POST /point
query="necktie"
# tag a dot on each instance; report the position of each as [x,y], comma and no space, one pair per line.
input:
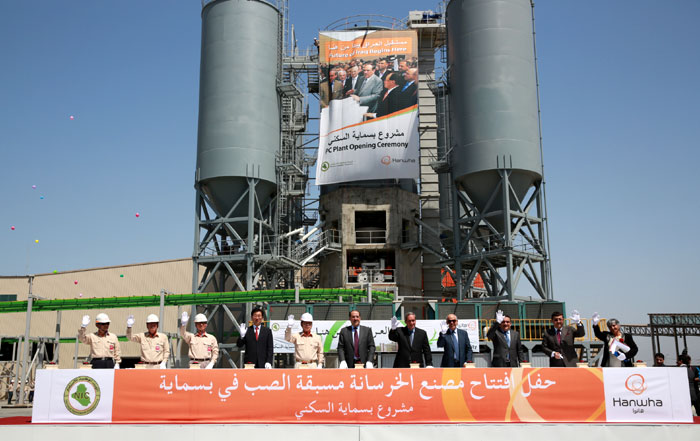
[411,339]
[385,95]
[508,338]
[405,87]
[454,343]
[559,336]
[356,343]
[256,333]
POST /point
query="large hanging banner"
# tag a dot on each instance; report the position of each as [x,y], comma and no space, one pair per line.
[367,396]
[369,113]
[329,329]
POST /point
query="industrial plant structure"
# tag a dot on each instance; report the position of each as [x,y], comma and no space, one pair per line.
[463,221]
[470,224]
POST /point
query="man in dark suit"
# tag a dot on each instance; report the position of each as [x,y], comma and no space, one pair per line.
[382,69]
[390,100]
[355,344]
[409,91]
[507,349]
[413,343]
[257,341]
[458,349]
[558,341]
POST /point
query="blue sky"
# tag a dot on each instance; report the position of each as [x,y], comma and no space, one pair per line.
[619,91]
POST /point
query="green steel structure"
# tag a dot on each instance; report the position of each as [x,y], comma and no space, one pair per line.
[277,295]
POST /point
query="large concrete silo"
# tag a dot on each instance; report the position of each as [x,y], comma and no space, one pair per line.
[239,116]
[239,136]
[496,160]
[493,96]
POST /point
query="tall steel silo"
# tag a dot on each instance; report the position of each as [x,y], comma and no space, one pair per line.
[493,99]
[239,136]
[496,160]
[239,116]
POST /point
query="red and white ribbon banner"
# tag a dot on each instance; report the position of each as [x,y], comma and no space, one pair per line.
[369,396]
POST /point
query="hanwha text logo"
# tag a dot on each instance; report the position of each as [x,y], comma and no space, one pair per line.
[635,384]
[81,396]
[386,160]
[325,166]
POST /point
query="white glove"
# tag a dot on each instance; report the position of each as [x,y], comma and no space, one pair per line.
[290,321]
[622,357]
[184,318]
[86,321]
[575,317]
[116,365]
[210,365]
[319,366]
[242,329]
[443,327]
[268,366]
[343,365]
[130,321]
[595,319]
[369,365]
[499,316]
[164,364]
[428,367]
[394,323]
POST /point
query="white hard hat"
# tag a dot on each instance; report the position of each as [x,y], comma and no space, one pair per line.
[306,317]
[102,318]
[200,318]
[152,318]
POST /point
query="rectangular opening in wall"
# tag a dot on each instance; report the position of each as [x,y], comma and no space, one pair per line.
[371,266]
[370,227]
[405,231]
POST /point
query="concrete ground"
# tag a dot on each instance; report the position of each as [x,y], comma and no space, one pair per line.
[6,412]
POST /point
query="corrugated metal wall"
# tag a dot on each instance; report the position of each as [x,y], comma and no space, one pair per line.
[174,276]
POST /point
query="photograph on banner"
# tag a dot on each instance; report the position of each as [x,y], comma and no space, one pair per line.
[328,330]
[368,93]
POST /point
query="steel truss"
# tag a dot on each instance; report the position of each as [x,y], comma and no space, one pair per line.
[501,257]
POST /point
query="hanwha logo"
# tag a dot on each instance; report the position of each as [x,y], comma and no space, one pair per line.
[635,384]
[275,327]
[82,395]
[386,160]
[325,166]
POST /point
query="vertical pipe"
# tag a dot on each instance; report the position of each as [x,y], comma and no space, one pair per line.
[197,251]
[162,309]
[16,351]
[57,341]
[27,343]
[77,350]
[505,194]
[457,235]
[251,235]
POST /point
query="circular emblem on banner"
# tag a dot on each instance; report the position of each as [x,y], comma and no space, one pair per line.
[635,384]
[386,160]
[81,396]
[325,166]
[275,327]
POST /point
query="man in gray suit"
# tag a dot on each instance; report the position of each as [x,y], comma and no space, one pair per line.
[507,349]
[355,344]
[368,94]
[558,341]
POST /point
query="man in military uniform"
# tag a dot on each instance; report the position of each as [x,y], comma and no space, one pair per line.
[104,346]
[204,348]
[155,350]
